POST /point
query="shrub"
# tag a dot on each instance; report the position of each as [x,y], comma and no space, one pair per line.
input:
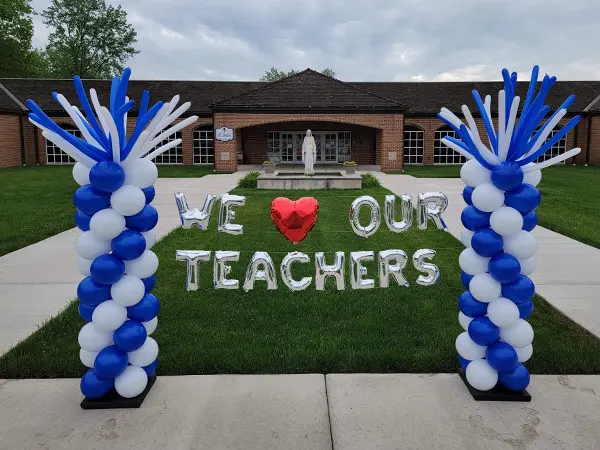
[249,181]
[370,181]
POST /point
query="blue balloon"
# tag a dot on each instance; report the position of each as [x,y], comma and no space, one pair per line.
[149,192]
[93,387]
[149,282]
[145,220]
[515,380]
[525,198]
[146,309]
[463,362]
[130,336]
[525,309]
[530,220]
[128,245]
[471,307]
[466,279]
[151,368]
[107,269]
[507,175]
[483,332]
[486,242]
[504,268]
[501,356]
[519,291]
[107,176]
[467,194]
[90,200]
[86,311]
[92,293]
[473,219]
[110,363]
[82,220]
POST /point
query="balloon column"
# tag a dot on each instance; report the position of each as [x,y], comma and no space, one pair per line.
[116,175]
[501,196]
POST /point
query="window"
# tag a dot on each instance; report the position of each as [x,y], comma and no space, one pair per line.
[55,155]
[344,146]
[173,155]
[332,147]
[443,154]
[273,142]
[413,145]
[203,146]
[557,149]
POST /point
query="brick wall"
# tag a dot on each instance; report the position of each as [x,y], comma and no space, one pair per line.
[595,142]
[10,140]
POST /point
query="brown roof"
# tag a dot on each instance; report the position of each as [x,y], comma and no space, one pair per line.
[308,91]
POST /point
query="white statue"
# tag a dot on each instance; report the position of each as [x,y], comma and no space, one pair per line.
[309,152]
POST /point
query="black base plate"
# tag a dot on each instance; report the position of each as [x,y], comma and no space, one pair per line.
[497,394]
[113,400]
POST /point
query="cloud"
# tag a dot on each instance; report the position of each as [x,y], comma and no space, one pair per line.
[376,40]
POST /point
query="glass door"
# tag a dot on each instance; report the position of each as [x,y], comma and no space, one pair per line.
[287,147]
[330,147]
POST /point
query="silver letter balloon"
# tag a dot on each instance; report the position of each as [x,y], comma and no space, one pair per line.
[199,217]
[374,222]
[501,196]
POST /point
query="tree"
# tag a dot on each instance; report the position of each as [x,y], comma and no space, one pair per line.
[274,74]
[16,31]
[89,38]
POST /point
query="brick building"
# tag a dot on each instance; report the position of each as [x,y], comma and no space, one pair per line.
[384,124]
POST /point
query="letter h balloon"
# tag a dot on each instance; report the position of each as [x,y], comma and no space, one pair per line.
[500,249]
[116,175]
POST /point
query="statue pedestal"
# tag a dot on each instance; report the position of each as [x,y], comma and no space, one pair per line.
[320,180]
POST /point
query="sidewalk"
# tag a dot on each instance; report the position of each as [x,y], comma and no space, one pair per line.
[36,282]
[566,275]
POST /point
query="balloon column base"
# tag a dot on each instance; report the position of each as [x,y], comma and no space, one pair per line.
[497,394]
[112,400]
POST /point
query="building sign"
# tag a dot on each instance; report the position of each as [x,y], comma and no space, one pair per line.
[224,134]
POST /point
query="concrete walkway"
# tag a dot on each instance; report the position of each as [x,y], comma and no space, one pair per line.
[36,282]
[567,272]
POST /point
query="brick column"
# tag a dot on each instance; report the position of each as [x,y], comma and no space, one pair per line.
[392,141]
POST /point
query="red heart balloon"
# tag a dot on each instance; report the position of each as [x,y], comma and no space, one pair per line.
[294,219]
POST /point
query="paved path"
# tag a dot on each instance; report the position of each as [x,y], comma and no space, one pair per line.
[36,282]
[567,272]
[312,412]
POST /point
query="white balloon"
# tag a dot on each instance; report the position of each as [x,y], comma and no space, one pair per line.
[474,174]
[481,375]
[87,358]
[109,315]
[131,382]
[487,197]
[144,355]
[466,236]
[128,200]
[141,173]
[503,312]
[521,245]
[81,174]
[519,335]
[107,224]
[528,265]
[150,237]
[524,353]
[151,325]
[464,320]
[84,266]
[89,246]
[506,221]
[533,177]
[471,263]
[144,266]
[128,291]
[469,349]
[484,288]
[93,339]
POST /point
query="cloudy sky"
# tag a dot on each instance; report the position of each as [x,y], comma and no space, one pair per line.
[361,40]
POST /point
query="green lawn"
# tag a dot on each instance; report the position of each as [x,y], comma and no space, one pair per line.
[381,330]
[420,171]
[36,201]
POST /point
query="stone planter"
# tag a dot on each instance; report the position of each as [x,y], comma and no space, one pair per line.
[350,170]
[269,168]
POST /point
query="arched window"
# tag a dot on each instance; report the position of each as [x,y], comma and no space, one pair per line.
[172,156]
[413,145]
[557,149]
[55,155]
[443,154]
[204,152]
